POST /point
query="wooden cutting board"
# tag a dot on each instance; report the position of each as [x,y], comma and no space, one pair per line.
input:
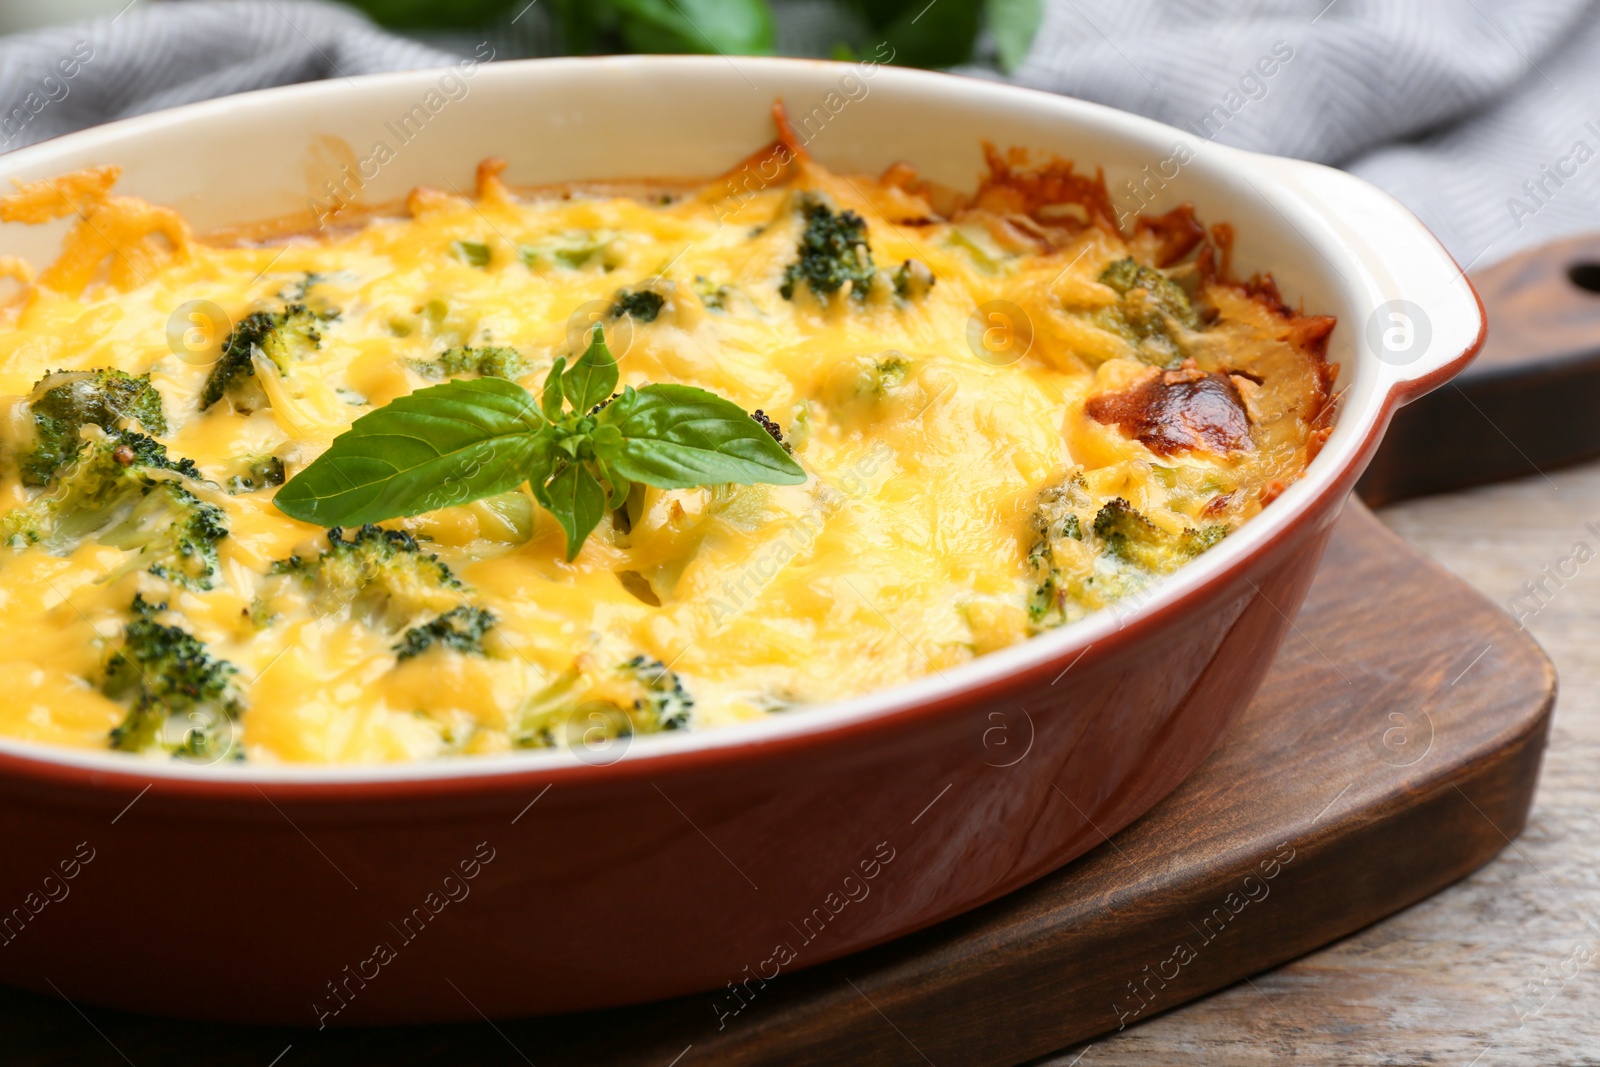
[1392,750]
[1527,404]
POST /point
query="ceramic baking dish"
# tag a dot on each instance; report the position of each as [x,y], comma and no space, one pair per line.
[550,881]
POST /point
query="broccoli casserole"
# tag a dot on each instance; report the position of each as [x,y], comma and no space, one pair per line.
[958,420]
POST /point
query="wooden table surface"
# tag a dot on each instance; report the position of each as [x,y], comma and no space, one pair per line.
[1503,967]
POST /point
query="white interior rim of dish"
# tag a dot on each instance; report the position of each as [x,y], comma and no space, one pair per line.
[1365,283]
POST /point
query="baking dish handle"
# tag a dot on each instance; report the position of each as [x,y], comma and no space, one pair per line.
[1425,322]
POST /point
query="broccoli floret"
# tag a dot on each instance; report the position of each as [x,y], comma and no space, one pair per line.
[490,362]
[283,337]
[259,472]
[1150,303]
[574,250]
[296,292]
[64,402]
[179,697]
[712,295]
[381,573]
[643,304]
[148,452]
[1077,566]
[176,531]
[1134,539]
[1055,522]
[123,491]
[459,630]
[913,280]
[472,253]
[388,582]
[833,250]
[858,385]
[582,706]
[888,371]
[662,697]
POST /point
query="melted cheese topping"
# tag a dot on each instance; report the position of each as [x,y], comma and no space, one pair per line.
[931,422]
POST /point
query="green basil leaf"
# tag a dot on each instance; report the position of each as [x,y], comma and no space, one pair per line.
[472,253]
[593,377]
[607,441]
[1014,24]
[677,436]
[617,487]
[537,483]
[542,461]
[578,501]
[729,27]
[447,445]
[550,397]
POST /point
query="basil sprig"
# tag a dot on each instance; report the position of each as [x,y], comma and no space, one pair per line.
[578,446]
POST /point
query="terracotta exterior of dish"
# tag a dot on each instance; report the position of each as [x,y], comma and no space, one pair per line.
[624,883]
[714,869]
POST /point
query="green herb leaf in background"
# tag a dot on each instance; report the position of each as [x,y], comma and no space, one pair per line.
[1014,24]
[468,439]
[919,34]
[729,27]
[940,34]
[431,14]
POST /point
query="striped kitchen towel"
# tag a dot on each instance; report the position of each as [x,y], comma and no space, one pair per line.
[1482,116]
[159,55]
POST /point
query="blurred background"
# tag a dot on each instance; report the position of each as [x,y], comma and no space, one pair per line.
[992,32]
